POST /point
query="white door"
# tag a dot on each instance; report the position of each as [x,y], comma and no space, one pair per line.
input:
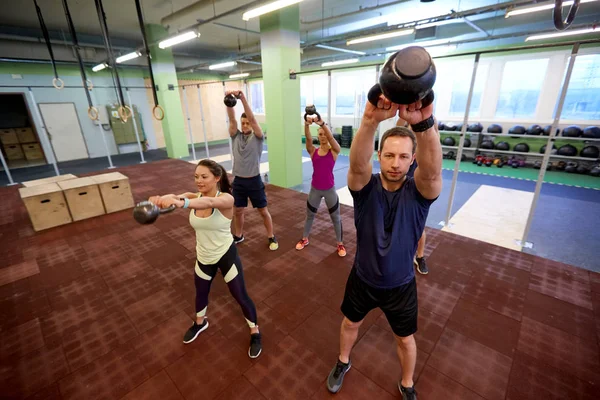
[63,126]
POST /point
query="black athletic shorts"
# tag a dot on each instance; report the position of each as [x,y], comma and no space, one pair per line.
[253,188]
[399,304]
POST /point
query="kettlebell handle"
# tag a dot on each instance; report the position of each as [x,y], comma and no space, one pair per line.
[375,92]
[168,209]
[311,110]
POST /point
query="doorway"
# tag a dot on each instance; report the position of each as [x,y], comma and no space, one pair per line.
[64,131]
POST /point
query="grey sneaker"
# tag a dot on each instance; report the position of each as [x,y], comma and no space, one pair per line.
[336,376]
[421,265]
[407,393]
[194,331]
[255,345]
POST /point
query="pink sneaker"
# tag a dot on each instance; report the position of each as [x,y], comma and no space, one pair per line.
[302,244]
[341,250]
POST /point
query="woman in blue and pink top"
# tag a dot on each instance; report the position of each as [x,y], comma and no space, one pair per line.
[323,184]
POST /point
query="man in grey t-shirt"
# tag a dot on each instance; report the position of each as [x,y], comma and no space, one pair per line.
[247,147]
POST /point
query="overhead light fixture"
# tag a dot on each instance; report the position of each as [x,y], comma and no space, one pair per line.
[239,75]
[99,67]
[267,8]
[222,65]
[340,62]
[425,43]
[184,37]
[563,33]
[322,46]
[439,23]
[128,57]
[402,32]
[436,51]
[540,7]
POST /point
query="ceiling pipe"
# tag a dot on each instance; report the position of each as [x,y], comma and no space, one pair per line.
[193,8]
[34,39]
[348,14]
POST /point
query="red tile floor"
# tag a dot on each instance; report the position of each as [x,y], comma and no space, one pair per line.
[97,309]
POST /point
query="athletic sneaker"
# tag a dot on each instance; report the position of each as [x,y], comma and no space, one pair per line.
[238,239]
[273,245]
[407,393]
[302,244]
[194,331]
[255,345]
[421,265]
[341,250]
[336,376]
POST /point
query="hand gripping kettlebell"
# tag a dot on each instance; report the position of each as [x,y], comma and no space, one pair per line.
[311,110]
[230,100]
[406,77]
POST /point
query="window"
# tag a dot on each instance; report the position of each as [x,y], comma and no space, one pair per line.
[461,83]
[583,95]
[520,88]
[351,89]
[257,99]
[314,90]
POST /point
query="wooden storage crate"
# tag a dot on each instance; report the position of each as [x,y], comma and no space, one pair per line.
[46,206]
[32,151]
[13,152]
[52,179]
[115,191]
[25,135]
[8,136]
[83,198]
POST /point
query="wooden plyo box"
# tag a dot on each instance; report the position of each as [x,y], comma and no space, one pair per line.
[83,198]
[32,151]
[52,179]
[115,191]
[46,206]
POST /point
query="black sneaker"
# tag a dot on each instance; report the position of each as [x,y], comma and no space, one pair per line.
[194,331]
[273,245]
[336,376]
[407,393]
[421,265]
[238,239]
[255,345]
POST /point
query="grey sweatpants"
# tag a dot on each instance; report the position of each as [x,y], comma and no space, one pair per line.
[333,205]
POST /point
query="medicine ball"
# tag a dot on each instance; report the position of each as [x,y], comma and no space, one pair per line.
[572,131]
[475,128]
[571,167]
[517,130]
[560,165]
[451,127]
[487,144]
[503,146]
[595,171]
[458,127]
[467,142]
[590,152]
[535,130]
[441,126]
[494,128]
[543,149]
[548,129]
[582,169]
[567,150]
[450,155]
[591,132]
[448,141]
[537,164]
[521,147]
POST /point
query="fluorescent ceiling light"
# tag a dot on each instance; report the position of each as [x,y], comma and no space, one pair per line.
[322,46]
[99,67]
[425,43]
[436,51]
[184,37]
[341,62]
[563,33]
[222,65]
[239,75]
[128,57]
[267,8]
[540,7]
[401,32]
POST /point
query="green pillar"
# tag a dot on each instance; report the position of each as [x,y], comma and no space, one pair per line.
[280,51]
[163,69]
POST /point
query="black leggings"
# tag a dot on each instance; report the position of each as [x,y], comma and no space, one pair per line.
[230,264]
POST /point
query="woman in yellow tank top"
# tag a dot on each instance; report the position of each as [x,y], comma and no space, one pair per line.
[210,216]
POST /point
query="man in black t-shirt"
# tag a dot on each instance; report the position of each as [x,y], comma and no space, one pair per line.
[390,210]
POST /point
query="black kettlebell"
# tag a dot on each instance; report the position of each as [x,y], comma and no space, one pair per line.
[230,100]
[146,212]
[406,77]
[311,110]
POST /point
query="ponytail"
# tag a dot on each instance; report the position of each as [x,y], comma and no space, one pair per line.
[224,183]
[218,171]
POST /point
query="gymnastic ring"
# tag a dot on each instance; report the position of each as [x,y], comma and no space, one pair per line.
[123,113]
[93,113]
[161,114]
[90,85]
[58,83]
